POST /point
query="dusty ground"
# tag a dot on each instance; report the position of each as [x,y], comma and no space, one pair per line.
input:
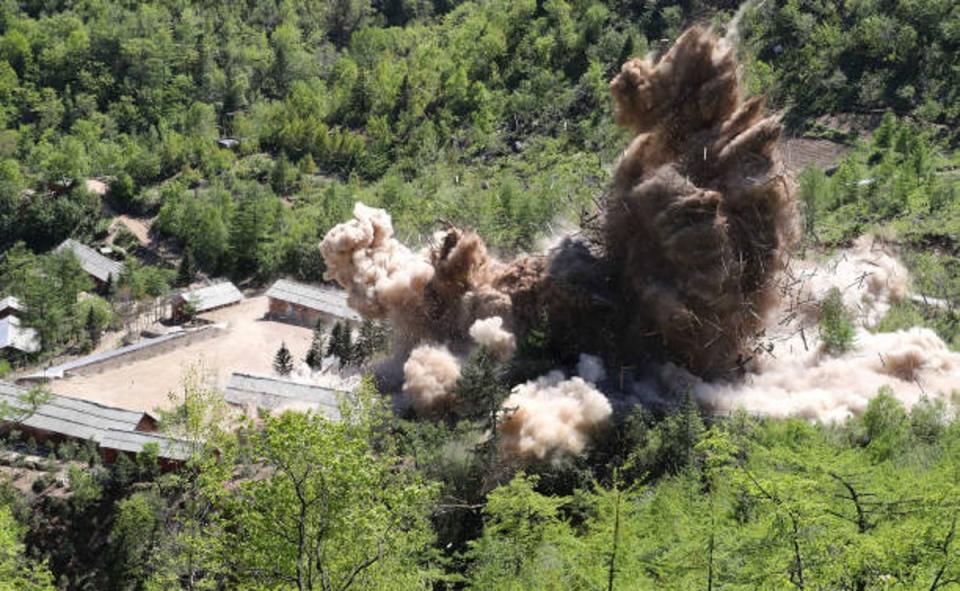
[799,153]
[140,227]
[248,344]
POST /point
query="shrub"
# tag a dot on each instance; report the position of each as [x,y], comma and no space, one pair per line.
[836,328]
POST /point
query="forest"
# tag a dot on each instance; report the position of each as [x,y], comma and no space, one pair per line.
[246,130]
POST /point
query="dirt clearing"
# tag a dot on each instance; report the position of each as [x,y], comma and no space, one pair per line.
[248,344]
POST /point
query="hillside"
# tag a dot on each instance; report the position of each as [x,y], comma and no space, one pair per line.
[638,312]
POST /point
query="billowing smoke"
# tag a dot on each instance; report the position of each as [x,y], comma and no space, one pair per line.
[911,363]
[552,416]
[695,229]
[429,377]
[795,376]
[685,273]
[680,269]
[489,333]
[381,275]
[700,217]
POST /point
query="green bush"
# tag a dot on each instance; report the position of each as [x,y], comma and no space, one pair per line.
[836,327]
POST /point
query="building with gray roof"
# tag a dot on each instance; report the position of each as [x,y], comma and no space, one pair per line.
[14,337]
[72,417]
[133,442]
[113,429]
[274,393]
[10,306]
[206,299]
[305,304]
[95,264]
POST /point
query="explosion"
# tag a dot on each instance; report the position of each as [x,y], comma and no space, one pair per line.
[700,218]
[687,273]
[795,376]
[551,416]
[695,231]
[429,376]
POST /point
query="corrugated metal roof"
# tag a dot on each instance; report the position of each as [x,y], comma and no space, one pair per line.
[133,441]
[72,417]
[110,427]
[92,261]
[213,296]
[14,336]
[10,303]
[324,299]
[274,393]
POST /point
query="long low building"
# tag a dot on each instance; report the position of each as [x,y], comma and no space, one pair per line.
[113,429]
[304,304]
[116,441]
[205,299]
[273,393]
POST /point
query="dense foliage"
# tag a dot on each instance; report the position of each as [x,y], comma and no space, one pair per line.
[244,130]
[821,57]
[301,502]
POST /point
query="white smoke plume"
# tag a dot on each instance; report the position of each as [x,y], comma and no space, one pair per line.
[329,375]
[797,377]
[379,272]
[591,369]
[429,376]
[552,416]
[489,333]
[912,363]
[869,276]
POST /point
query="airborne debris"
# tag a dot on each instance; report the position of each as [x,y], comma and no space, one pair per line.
[681,273]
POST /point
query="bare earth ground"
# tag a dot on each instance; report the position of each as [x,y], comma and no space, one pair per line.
[248,344]
[799,153]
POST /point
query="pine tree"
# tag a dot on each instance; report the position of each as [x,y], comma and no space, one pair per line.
[319,328]
[372,339]
[185,270]
[403,99]
[346,352]
[308,166]
[314,357]
[335,345]
[110,288]
[341,344]
[480,389]
[92,327]
[283,361]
